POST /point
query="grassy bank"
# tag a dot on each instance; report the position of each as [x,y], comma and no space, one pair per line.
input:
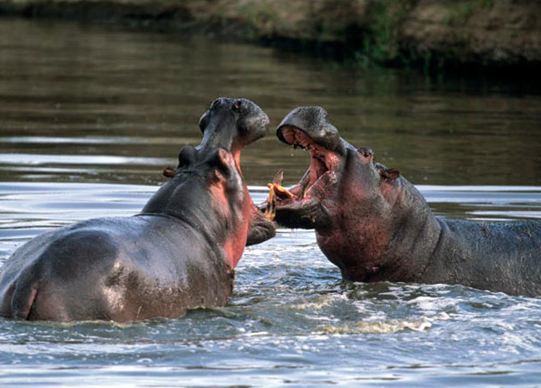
[429,34]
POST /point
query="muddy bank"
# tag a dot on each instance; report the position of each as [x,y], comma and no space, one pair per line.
[427,33]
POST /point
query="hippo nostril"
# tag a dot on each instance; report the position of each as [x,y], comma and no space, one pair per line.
[237,105]
[366,152]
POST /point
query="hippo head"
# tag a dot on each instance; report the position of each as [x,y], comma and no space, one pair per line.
[228,126]
[207,189]
[340,180]
[365,215]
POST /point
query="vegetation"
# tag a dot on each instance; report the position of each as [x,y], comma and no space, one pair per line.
[429,33]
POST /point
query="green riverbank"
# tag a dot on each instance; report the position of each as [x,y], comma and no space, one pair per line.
[490,34]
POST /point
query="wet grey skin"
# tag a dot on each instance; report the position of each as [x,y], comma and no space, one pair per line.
[375,226]
[179,253]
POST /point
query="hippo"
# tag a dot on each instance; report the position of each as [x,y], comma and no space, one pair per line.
[375,226]
[178,253]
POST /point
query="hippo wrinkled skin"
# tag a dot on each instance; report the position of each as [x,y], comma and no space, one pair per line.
[178,253]
[375,226]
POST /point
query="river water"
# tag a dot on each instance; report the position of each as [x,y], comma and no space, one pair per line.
[90,116]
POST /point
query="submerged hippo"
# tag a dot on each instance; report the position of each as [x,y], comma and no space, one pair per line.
[178,253]
[375,226]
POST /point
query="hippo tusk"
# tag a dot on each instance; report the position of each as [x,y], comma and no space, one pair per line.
[276,190]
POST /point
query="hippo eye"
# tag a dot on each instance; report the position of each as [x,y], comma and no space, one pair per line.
[186,156]
[237,105]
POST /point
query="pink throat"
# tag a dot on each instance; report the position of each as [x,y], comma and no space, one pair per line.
[323,162]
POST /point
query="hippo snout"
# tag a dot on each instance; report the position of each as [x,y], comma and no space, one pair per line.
[314,121]
[232,123]
[253,123]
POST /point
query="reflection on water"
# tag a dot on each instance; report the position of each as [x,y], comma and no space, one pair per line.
[88,117]
[77,92]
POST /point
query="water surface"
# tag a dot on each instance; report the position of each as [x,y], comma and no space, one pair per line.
[89,117]
[85,104]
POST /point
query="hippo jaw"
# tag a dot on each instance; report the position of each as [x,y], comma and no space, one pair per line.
[309,128]
[307,207]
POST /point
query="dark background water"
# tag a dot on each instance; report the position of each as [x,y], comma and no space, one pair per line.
[88,118]
[84,104]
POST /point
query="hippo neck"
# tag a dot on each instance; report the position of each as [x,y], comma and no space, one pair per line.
[187,198]
[416,235]
[394,245]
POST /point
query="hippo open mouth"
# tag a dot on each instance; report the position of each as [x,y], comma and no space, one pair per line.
[303,205]
[323,163]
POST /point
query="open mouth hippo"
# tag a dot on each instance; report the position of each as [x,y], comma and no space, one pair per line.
[375,226]
[178,253]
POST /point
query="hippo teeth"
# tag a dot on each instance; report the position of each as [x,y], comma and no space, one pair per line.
[304,147]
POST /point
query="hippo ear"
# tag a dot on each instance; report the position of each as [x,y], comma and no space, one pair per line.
[389,173]
[168,172]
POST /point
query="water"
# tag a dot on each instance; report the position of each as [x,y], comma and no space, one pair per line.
[89,117]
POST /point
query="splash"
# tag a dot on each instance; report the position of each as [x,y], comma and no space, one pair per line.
[376,327]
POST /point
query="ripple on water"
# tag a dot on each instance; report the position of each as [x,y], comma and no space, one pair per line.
[291,319]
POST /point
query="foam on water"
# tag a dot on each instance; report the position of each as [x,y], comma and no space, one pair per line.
[291,318]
